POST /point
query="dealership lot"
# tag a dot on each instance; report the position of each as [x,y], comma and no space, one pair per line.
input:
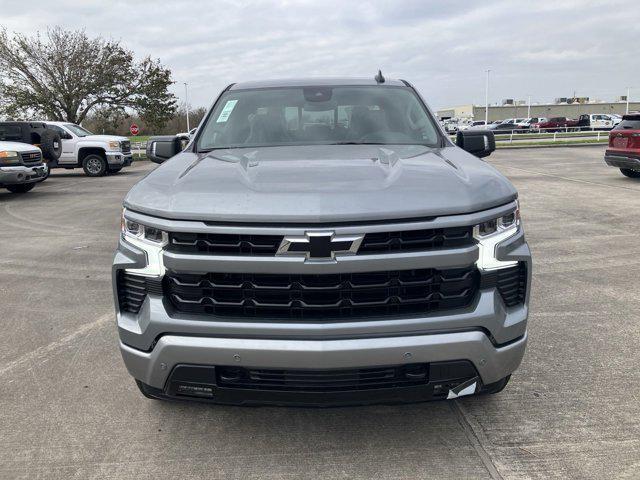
[70,410]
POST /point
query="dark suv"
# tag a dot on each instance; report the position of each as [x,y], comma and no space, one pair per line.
[34,133]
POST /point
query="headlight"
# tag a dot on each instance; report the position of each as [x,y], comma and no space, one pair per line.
[114,145]
[8,157]
[490,233]
[497,225]
[149,239]
[132,230]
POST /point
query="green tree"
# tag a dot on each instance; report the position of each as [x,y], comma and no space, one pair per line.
[65,75]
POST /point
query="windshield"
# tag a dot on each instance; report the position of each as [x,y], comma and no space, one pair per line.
[318,116]
[77,130]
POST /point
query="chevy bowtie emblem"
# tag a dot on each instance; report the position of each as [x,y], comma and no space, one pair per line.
[320,245]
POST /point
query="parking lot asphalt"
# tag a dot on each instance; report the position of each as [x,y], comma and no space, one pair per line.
[68,408]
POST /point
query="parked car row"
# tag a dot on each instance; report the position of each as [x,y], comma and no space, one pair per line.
[29,150]
[585,122]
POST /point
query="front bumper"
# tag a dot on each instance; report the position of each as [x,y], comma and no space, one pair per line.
[622,160]
[154,368]
[12,175]
[119,159]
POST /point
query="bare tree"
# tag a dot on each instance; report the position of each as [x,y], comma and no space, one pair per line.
[64,75]
[103,121]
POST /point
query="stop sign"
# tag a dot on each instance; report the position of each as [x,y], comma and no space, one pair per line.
[134,129]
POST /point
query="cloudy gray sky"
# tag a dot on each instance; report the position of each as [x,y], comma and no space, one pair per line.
[541,48]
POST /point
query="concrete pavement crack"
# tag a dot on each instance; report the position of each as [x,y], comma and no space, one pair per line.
[44,351]
[474,439]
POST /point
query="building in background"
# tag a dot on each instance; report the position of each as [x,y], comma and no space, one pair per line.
[562,107]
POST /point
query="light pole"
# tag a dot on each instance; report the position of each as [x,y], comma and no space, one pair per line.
[528,106]
[627,109]
[186,104]
[486,101]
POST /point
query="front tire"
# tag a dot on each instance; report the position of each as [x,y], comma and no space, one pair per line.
[94,165]
[627,172]
[21,188]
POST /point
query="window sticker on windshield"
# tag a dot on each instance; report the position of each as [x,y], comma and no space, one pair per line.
[226,111]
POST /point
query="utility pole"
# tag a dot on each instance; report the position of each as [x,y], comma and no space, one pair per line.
[186,104]
[528,106]
[627,109]
[486,101]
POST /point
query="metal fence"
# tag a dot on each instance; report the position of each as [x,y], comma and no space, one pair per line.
[551,135]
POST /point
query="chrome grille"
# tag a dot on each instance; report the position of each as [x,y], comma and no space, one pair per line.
[31,158]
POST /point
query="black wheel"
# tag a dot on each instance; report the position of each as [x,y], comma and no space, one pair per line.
[114,170]
[51,144]
[496,387]
[148,391]
[627,172]
[21,188]
[94,165]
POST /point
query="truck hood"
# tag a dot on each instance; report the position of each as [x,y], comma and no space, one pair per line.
[103,138]
[18,147]
[313,184]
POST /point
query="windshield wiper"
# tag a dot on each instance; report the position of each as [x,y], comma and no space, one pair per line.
[357,143]
[379,143]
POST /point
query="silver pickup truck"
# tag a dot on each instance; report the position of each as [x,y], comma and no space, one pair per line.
[322,242]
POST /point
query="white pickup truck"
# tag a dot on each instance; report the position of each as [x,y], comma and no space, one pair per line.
[21,166]
[96,154]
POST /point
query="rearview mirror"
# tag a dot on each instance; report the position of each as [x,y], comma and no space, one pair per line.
[160,149]
[477,142]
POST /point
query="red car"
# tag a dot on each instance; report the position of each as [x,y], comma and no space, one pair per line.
[624,146]
[555,124]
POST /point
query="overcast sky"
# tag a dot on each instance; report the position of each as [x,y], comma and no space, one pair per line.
[541,48]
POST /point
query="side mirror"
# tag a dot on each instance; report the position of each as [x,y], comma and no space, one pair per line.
[477,142]
[160,149]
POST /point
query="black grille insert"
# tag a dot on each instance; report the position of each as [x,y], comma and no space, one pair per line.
[283,296]
[224,244]
[382,242]
[511,283]
[132,290]
[416,240]
[322,380]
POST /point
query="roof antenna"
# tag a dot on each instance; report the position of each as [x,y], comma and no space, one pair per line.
[379,78]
